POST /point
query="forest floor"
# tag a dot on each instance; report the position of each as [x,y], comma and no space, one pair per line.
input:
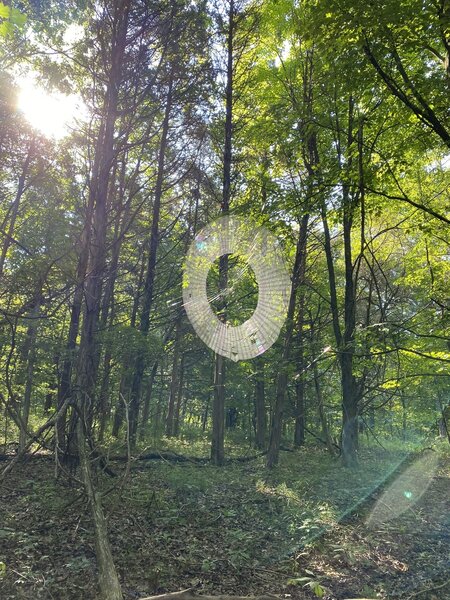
[299,531]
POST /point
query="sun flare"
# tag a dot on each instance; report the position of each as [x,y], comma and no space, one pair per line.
[53,114]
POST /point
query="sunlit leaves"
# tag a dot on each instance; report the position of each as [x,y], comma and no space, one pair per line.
[11,20]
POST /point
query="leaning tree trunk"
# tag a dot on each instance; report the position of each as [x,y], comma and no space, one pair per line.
[107,575]
[15,205]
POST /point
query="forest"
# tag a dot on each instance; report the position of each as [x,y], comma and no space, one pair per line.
[140,458]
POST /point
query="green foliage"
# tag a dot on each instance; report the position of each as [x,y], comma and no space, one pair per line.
[11,20]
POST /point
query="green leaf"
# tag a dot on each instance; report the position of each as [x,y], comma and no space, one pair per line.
[2,570]
[13,16]
[4,11]
[6,29]
[17,18]
[298,580]
[318,590]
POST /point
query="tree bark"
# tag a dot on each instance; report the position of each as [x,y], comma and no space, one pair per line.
[177,416]
[260,407]
[147,399]
[108,580]
[151,264]
[218,408]
[31,358]
[320,410]
[299,432]
[282,377]
[173,393]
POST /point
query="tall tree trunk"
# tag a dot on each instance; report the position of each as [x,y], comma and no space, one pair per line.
[87,367]
[300,409]
[177,415]
[107,310]
[173,393]
[282,377]
[31,358]
[147,399]
[320,409]
[218,408]
[349,388]
[345,341]
[88,358]
[64,388]
[151,264]
[260,406]
[299,432]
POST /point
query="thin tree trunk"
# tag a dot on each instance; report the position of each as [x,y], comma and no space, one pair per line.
[320,410]
[104,404]
[119,414]
[159,404]
[218,409]
[218,413]
[260,407]
[176,421]
[299,432]
[282,377]
[31,358]
[147,399]
[64,388]
[151,265]
[174,381]
[15,205]
[107,310]
[349,389]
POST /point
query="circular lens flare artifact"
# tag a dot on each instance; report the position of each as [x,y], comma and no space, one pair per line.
[260,249]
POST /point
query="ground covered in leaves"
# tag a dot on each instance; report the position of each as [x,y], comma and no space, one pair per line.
[299,531]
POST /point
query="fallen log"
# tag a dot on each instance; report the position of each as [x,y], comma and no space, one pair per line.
[180,458]
[168,456]
[190,595]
